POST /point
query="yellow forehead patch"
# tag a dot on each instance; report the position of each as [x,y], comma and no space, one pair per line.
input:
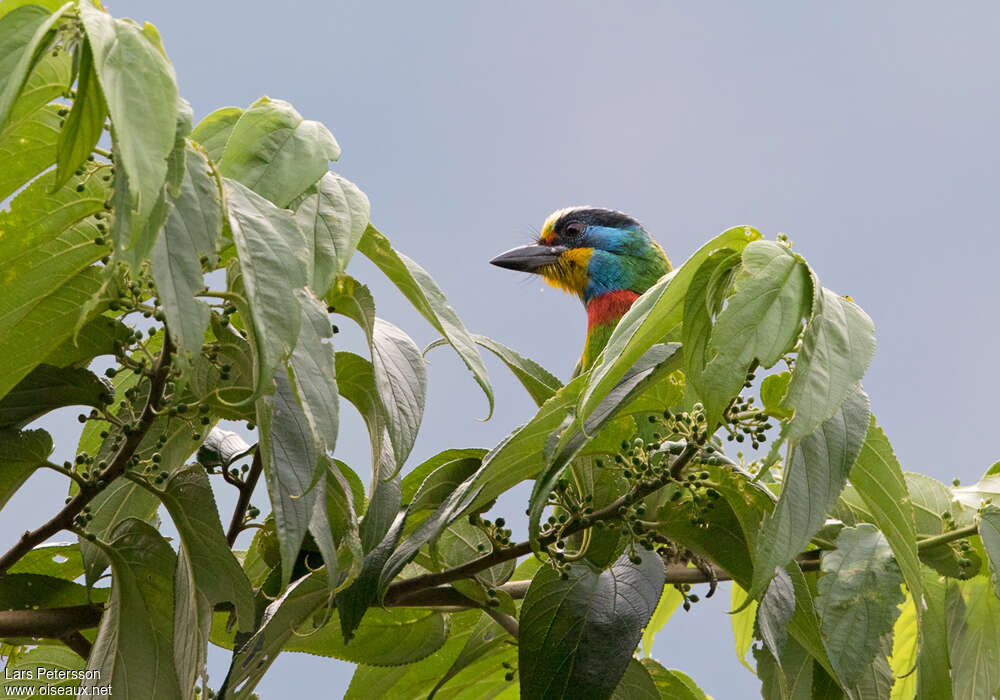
[570,272]
[548,228]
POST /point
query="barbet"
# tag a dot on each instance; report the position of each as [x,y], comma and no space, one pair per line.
[604,257]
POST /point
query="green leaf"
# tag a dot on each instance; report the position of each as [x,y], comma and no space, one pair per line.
[636,684]
[356,383]
[37,591]
[230,398]
[650,318]
[933,662]
[133,652]
[60,664]
[805,623]
[989,531]
[484,673]
[427,298]
[384,638]
[312,369]
[721,538]
[290,458]
[49,79]
[670,600]
[268,243]
[673,684]
[58,559]
[876,681]
[429,530]
[986,489]
[124,498]
[974,635]
[537,380]
[518,456]
[53,320]
[47,388]
[26,34]
[881,485]
[401,381]
[191,233]
[47,284]
[17,27]
[775,612]
[188,498]
[101,336]
[28,146]
[48,235]
[21,453]
[281,618]
[903,660]
[651,368]
[213,131]
[792,679]
[428,484]
[350,298]
[357,489]
[334,527]
[750,500]
[486,636]
[352,603]
[817,471]
[580,633]
[837,348]
[742,622]
[761,321]
[140,89]
[702,302]
[462,542]
[192,625]
[82,128]
[858,599]
[772,390]
[930,499]
[275,152]
[333,213]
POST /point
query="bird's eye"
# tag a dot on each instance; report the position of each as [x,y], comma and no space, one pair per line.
[574,229]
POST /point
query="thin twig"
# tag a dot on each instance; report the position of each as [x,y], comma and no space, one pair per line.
[498,556]
[236,524]
[80,481]
[947,537]
[63,520]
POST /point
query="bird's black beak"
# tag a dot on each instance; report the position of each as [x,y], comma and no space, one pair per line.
[529,258]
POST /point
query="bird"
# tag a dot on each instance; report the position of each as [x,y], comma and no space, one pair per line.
[603,256]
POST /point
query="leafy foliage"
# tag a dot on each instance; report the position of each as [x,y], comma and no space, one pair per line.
[203,263]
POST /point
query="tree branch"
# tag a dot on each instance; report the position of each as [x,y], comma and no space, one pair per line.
[78,643]
[508,622]
[59,623]
[498,556]
[243,502]
[63,520]
[52,623]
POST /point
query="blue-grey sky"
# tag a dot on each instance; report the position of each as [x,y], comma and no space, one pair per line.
[864,131]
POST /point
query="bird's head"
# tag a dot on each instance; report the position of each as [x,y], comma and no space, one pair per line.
[603,256]
[589,252]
